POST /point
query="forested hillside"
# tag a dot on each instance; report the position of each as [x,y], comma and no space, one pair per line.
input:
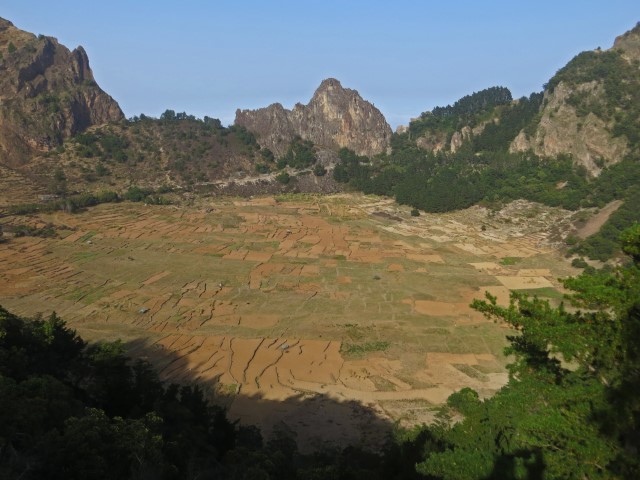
[468,111]
[176,149]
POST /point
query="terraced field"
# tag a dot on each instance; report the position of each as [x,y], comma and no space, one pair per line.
[337,299]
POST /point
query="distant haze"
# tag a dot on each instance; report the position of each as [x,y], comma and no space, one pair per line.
[209,58]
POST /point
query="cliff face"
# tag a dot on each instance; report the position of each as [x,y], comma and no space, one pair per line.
[581,113]
[335,117]
[47,94]
[561,130]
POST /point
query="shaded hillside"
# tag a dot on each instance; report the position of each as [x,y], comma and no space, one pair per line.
[47,94]
[72,410]
[176,151]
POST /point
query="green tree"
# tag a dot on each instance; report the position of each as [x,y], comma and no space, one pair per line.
[570,409]
[59,182]
[319,170]
[283,178]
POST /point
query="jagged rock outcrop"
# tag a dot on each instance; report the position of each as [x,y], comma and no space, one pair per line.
[629,44]
[574,118]
[435,141]
[335,117]
[47,94]
[458,138]
[432,141]
[561,131]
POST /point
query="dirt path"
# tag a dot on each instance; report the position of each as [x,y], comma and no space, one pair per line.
[594,223]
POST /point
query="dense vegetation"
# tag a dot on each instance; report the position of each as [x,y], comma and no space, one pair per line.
[570,410]
[481,169]
[442,182]
[300,154]
[79,202]
[467,111]
[176,148]
[144,149]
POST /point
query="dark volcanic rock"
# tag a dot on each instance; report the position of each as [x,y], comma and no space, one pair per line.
[335,117]
[47,94]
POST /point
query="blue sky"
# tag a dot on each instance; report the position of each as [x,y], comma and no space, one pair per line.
[405,56]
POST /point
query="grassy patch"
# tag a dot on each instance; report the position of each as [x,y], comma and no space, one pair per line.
[296,197]
[437,331]
[382,384]
[547,292]
[362,348]
[509,260]
[83,257]
[230,220]
[88,236]
[470,371]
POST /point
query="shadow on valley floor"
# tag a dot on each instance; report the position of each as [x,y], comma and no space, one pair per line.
[315,421]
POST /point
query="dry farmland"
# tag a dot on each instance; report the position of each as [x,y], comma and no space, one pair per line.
[339,299]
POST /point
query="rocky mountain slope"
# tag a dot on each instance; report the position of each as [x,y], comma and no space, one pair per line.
[47,94]
[335,117]
[446,129]
[590,108]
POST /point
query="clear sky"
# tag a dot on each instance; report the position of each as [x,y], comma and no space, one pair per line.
[405,56]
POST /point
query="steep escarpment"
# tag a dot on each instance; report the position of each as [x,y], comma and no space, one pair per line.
[335,117]
[562,129]
[47,94]
[591,108]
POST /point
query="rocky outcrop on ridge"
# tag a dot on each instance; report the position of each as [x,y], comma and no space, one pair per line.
[335,117]
[579,115]
[47,93]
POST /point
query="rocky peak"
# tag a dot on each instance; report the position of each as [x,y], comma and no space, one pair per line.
[5,24]
[335,117]
[47,93]
[329,84]
[629,43]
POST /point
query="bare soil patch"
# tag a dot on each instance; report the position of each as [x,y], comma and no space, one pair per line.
[594,224]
